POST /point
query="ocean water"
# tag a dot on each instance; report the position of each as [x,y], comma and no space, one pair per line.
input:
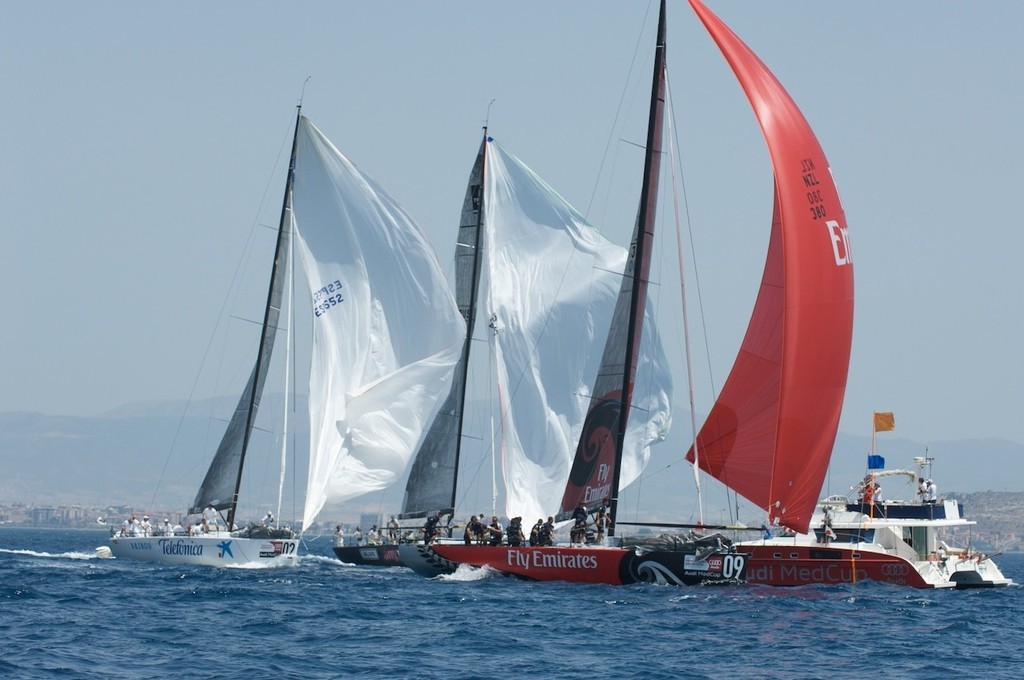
[65,613]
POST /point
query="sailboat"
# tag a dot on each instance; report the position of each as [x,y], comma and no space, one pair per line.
[385,337]
[596,473]
[894,537]
[770,434]
[552,281]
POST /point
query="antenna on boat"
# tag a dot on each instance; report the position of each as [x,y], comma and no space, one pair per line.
[302,95]
[487,119]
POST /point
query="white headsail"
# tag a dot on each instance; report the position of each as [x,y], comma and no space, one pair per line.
[386,331]
[553,284]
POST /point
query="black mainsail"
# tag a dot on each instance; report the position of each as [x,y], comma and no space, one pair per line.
[595,471]
[433,478]
[224,477]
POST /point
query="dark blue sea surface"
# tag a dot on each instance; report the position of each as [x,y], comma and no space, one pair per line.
[65,613]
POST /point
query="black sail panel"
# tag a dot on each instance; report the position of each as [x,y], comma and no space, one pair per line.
[218,486]
[223,478]
[594,475]
[433,476]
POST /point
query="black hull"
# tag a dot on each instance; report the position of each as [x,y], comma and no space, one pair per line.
[673,567]
[370,555]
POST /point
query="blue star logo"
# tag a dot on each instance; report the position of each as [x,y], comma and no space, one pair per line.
[225,549]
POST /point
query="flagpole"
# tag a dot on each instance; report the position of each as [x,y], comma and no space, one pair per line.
[876,462]
[873,430]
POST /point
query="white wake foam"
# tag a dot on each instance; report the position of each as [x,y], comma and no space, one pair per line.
[466,573]
[62,556]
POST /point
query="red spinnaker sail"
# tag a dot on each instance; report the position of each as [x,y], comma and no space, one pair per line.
[769,436]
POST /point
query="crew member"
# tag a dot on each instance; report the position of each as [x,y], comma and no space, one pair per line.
[495,532]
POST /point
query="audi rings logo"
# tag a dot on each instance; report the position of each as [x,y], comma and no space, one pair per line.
[894,570]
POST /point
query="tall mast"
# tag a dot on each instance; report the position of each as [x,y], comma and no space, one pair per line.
[433,478]
[596,469]
[470,312]
[282,229]
[641,251]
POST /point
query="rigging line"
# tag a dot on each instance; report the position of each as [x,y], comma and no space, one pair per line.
[465,501]
[491,370]
[302,95]
[682,295]
[254,388]
[293,433]
[693,252]
[521,377]
[697,285]
[295,473]
[504,409]
[637,488]
[213,334]
[289,359]
[380,505]
[257,223]
[234,289]
[618,110]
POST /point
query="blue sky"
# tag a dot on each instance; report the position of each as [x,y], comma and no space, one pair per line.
[140,140]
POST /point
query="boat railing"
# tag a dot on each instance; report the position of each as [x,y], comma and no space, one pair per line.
[906,510]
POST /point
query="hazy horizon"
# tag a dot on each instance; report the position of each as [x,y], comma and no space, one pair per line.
[142,140]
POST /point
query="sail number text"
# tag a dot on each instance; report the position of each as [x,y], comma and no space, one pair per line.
[733,565]
[327,297]
[837,233]
[814,199]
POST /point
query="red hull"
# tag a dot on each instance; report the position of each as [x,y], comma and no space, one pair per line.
[776,565]
[542,563]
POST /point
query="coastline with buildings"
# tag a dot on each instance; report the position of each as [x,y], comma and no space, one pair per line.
[999,516]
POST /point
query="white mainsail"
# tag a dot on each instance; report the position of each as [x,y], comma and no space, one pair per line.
[386,331]
[552,285]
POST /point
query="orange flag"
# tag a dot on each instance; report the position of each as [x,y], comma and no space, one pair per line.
[884,422]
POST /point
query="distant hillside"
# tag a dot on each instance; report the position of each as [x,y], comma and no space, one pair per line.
[1000,518]
[68,459]
[124,456]
[966,465]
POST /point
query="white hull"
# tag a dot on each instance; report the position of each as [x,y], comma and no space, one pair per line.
[212,550]
[895,542]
